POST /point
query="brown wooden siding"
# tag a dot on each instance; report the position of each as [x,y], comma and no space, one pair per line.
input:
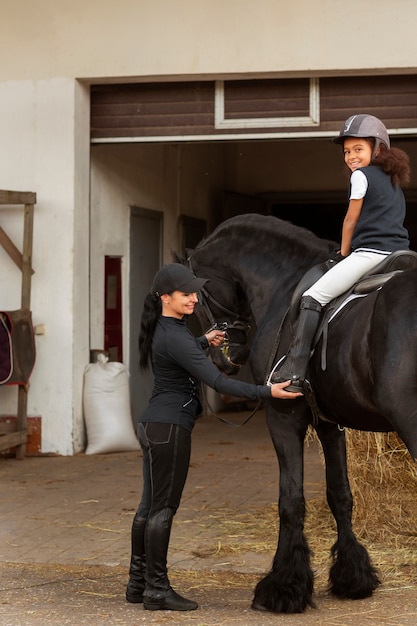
[152,109]
[391,98]
[186,109]
[266,98]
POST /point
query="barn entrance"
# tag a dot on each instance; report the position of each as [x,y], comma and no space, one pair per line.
[200,152]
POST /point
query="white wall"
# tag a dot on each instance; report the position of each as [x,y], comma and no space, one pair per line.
[39,150]
[122,176]
[46,47]
[99,38]
[176,180]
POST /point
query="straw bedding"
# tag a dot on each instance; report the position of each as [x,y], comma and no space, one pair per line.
[384,485]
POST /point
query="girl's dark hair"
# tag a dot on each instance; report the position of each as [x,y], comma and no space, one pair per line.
[152,309]
[395,163]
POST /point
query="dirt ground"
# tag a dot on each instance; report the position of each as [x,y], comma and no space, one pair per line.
[40,595]
[64,540]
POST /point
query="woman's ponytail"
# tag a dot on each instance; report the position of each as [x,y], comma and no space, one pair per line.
[152,309]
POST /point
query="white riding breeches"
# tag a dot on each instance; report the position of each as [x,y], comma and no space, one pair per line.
[344,275]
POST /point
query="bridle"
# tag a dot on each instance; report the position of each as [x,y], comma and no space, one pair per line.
[239,322]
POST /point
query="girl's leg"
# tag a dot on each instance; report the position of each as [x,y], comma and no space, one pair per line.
[332,284]
[343,276]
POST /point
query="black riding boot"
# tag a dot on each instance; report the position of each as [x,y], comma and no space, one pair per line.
[159,595]
[295,364]
[136,585]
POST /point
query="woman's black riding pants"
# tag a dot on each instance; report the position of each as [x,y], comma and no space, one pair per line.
[166,457]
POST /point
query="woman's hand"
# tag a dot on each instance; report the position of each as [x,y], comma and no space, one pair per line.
[215,337]
[278,391]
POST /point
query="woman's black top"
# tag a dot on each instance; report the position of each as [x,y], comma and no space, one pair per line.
[179,365]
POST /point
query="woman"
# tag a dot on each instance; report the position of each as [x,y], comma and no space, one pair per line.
[373,228]
[179,365]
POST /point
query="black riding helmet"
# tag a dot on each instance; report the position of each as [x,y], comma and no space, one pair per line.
[364,126]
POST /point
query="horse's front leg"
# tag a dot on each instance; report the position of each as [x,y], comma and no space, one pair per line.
[352,574]
[288,588]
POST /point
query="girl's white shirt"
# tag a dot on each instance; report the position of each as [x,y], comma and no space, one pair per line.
[359,185]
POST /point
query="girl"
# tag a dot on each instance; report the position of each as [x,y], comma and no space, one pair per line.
[164,429]
[373,228]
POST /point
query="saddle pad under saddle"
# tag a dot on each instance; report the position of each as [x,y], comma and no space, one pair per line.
[17,347]
[6,353]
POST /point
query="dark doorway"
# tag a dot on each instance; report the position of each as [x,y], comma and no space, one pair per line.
[145,260]
[324,220]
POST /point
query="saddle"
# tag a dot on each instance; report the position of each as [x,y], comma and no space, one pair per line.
[371,281]
[17,347]
[399,261]
[396,262]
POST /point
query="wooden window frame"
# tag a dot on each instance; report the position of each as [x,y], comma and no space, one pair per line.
[221,122]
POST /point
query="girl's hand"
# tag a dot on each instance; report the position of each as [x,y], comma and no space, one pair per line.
[336,256]
[278,391]
[215,338]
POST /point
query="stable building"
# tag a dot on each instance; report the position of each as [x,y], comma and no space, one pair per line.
[139,131]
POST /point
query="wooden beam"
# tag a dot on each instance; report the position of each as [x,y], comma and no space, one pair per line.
[17,197]
[27,256]
[13,252]
[23,260]
[11,440]
[11,249]
[21,422]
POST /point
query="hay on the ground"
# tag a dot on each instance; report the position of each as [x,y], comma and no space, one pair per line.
[383,480]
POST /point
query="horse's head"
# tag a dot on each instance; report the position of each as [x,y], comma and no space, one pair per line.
[253,264]
[223,305]
[213,309]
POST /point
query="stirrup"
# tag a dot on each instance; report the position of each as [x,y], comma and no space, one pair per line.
[296,385]
[274,369]
[310,396]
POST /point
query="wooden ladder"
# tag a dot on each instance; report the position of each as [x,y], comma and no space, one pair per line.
[23,260]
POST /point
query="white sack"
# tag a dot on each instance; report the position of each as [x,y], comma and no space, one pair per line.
[107,413]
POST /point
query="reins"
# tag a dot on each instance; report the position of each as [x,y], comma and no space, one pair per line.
[227,422]
[239,322]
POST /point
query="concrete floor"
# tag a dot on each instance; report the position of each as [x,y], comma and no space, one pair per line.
[65,537]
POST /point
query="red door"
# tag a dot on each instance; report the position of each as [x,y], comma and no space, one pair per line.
[113,335]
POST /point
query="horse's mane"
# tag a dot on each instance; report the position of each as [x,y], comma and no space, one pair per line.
[269,231]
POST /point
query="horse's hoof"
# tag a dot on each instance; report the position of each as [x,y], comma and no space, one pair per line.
[256,606]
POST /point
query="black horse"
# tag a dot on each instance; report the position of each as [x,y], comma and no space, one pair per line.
[368,382]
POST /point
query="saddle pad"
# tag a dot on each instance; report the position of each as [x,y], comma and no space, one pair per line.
[6,352]
[17,347]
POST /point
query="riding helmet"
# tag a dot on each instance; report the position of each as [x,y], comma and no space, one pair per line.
[364,126]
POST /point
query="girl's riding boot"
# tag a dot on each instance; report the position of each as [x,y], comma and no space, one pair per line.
[136,585]
[159,595]
[295,364]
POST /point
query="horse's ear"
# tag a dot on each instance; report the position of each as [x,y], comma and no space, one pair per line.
[177,258]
